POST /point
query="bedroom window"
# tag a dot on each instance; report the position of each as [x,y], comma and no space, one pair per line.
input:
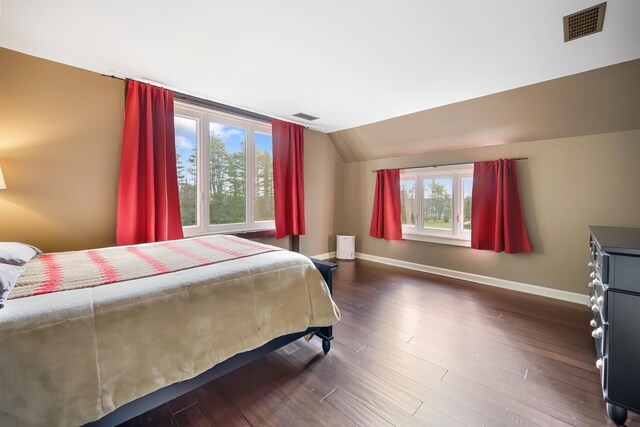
[225,171]
[436,204]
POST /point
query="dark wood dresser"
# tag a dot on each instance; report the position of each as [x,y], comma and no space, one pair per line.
[615,302]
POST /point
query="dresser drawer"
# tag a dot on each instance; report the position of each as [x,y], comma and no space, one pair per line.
[598,299]
[599,333]
[599,263]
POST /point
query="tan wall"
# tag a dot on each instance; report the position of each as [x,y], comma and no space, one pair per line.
[566,185]
[60,135]
[323,169]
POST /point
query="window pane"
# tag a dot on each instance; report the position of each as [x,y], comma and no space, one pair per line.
[437,203]
[467,186]
[408,201]
[186,160]
[228,171]
[263,190]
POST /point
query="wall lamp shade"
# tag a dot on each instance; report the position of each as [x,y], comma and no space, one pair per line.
[3,185]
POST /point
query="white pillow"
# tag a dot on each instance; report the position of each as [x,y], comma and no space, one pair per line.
[15,253]
[8,277]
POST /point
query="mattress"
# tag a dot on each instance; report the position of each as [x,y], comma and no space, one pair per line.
[67,358]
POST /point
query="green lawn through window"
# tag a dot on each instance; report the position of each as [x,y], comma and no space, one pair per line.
[438,224]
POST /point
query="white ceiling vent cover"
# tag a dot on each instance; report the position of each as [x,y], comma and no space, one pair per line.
[305,116]
[586,22]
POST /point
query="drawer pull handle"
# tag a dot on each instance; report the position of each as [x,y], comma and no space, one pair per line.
[591,285]
[595,308]
[591,264]
[597,333]
[599,363]
[592,275]
[600,300]
[593,323]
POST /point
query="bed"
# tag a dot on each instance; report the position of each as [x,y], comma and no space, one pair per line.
[109,351]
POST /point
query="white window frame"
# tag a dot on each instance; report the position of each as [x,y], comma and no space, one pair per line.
[204,117]
[458,235]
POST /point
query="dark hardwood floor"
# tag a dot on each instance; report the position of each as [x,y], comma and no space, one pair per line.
[413,349]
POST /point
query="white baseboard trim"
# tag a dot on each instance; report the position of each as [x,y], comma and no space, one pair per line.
[324,256]
[484,280]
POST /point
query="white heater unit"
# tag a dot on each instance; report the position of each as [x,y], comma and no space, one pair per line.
[345,246]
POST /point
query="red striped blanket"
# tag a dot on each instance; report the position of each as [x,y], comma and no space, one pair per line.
[63,271]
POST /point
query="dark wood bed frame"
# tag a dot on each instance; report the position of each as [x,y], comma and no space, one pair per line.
[150,401]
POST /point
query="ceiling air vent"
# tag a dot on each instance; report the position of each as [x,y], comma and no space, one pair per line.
[304,116]
[583,23]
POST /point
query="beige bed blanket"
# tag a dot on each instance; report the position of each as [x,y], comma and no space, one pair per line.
[71,357]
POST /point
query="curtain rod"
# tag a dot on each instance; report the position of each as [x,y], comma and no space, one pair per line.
[443,164]
[212,104]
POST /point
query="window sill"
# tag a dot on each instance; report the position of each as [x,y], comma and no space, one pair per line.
[437,239]
[245,234]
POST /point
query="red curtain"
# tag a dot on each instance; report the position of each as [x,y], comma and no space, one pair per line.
[496,209]
[148,202]
[385,220]
[288,178]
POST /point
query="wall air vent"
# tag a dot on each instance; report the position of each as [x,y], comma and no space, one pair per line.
[583,23]
[304,116]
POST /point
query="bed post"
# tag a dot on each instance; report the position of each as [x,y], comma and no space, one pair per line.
[326,269]
[295,243]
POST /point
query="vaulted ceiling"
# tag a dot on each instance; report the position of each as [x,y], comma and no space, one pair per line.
[598,101]
[351,63]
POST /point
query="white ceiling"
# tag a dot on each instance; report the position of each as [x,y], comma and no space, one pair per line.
[348,62]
